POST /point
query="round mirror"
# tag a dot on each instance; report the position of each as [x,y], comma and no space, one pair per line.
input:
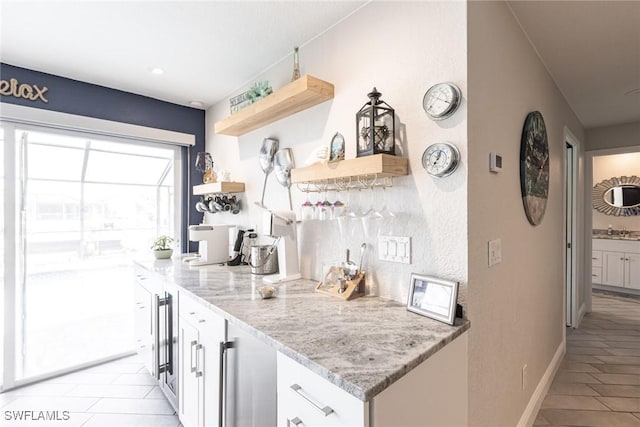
[623,196]
[619,196]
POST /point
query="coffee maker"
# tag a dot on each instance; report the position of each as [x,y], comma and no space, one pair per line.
[213,243]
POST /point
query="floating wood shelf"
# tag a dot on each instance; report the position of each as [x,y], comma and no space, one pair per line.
[378,165]
[297,96]
[218,187]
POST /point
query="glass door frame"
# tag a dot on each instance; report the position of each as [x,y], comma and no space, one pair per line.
[15,215]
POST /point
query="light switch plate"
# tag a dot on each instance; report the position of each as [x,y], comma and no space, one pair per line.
[394,249]
[495,252]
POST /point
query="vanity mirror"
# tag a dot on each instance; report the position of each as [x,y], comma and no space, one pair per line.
[619,196]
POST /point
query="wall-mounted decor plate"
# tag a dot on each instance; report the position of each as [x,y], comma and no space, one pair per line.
[534,167]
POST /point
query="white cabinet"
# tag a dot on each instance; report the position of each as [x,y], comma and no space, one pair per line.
[616,263]
[434,394]
[201,333]
[613,266]
[306,399]
[143,325]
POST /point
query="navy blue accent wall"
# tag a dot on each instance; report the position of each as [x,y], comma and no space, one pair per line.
[86,99]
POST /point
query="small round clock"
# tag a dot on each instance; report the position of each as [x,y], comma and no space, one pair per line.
[441,100]
[441,159]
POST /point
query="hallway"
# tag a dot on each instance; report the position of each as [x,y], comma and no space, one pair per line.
[598,383]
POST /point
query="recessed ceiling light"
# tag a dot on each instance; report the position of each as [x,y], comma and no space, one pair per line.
[157,71]
[633,92]
[196,104]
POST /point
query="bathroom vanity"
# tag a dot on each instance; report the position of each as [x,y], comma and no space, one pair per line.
[616,262]
[335,363]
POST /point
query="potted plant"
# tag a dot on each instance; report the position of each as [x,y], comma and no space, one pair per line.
[162,247]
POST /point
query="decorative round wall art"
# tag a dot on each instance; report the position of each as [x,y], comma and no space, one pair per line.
[534,167]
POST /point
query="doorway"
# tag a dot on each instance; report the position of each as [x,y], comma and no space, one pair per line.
[79,207]
[571,179]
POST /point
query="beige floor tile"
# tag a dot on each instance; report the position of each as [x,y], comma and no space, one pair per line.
[83,377]
[135,379]
[617,390]
[155,393]
[129,420]
[627,379]
[575,378]
[624,404]
[589,418]
[572,389]
[6,399]
[111,390]
[132,406]
[573,402]
[51,403]
[71,419]
[41,389]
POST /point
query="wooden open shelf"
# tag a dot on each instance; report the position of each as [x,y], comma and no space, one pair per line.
[297,96]
[382,165]
[218,187]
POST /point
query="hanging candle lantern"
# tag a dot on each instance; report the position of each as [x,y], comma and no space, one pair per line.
[375,126]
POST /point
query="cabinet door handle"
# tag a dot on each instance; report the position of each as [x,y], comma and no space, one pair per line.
[621,259]
[295,422]
[594,275]
[198,372]
[193,368]
[326,410]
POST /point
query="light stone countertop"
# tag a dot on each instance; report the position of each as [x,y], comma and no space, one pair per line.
[362,346]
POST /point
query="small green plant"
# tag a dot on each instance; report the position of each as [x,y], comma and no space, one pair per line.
[162,243]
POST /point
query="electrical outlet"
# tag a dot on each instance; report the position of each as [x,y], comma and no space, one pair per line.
[394,249]
[524,377]
[495,252]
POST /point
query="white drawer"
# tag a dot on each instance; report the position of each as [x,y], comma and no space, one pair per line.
[596,258]
[303,395]
[194,312]
[596,274]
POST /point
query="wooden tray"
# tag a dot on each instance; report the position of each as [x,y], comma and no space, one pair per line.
[354,288]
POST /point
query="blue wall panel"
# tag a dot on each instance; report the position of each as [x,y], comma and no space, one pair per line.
[86,99]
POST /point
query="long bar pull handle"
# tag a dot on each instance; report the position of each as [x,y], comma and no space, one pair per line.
[198,372]
[159,368]
[193,368]
[224,346]
[326,410]
[294,422]
[157,336]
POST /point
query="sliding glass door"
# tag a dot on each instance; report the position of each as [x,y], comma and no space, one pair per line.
[86,207]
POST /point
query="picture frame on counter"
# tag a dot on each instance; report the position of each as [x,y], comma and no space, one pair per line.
[433,297]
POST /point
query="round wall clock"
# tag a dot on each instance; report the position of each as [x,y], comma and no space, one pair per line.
[534,167]
[441,159]
[441,100]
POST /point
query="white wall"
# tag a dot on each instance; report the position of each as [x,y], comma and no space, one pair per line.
[616,136]
[400,48]
[517,307]
[606,167]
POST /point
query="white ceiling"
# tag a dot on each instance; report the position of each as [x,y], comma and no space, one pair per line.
[210,49]
[207,48]
[592,50]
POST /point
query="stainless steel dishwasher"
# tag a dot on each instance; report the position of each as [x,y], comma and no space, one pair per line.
[250,383]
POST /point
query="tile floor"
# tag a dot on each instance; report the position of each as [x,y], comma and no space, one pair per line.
[120,393]
[598,383]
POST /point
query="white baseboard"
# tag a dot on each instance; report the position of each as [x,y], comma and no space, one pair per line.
[531,411]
